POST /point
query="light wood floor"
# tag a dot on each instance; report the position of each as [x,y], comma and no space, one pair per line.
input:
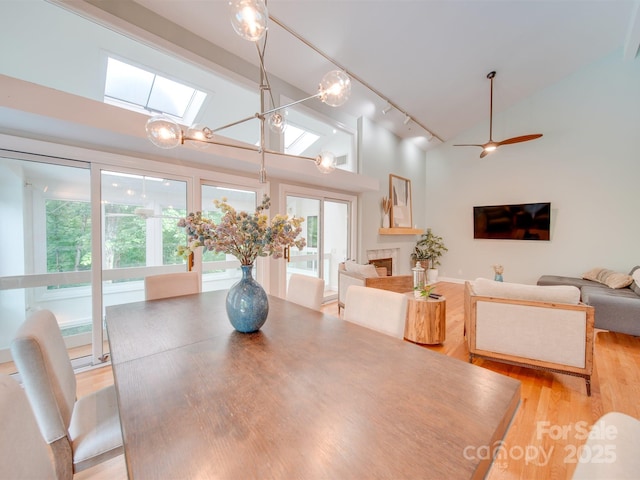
[549,426]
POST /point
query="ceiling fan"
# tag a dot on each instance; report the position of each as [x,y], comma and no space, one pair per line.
[491,145]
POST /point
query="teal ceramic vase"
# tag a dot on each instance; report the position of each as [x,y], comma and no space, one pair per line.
[247,303]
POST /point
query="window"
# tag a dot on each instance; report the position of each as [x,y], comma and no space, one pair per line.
[140,90]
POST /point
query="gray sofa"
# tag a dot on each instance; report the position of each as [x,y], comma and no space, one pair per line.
[616,309]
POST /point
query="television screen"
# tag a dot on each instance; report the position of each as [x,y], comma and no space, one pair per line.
[528,221]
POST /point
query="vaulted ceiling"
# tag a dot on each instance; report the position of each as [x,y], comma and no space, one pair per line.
[429,57]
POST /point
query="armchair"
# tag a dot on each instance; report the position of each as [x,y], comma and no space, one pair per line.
[546,328]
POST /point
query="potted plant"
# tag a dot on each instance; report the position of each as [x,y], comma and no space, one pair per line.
[428,250]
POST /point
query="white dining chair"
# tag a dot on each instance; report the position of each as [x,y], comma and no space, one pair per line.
[171,285]
[23,452]
[380,310]
[306,291]
[611,449]
[81,432]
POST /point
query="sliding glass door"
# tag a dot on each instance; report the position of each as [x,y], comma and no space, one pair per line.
[326,228]
[45,249]
[140,233]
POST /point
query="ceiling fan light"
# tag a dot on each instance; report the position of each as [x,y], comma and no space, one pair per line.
[326,162]
[490,147]
[163,131]
[249,18]
[335,88]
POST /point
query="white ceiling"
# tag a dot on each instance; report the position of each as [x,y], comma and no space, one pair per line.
[429,57]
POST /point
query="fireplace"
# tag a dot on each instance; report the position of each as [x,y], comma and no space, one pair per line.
[384,257]
[383,262]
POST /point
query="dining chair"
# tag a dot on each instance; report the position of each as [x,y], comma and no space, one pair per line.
[23,452]
[171,285]
[81,432]
[306,291]
[380,310]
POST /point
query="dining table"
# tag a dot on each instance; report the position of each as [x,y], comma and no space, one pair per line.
[308,396]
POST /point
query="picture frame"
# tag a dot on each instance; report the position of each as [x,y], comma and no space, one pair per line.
[400,195]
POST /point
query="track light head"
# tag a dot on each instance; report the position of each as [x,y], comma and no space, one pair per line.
[406,120]
[386,109]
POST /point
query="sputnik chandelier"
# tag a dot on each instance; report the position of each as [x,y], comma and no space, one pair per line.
[249,20]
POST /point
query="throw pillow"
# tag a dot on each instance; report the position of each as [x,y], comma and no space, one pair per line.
[635,286]
[608,277]
[368,271]
[364,270]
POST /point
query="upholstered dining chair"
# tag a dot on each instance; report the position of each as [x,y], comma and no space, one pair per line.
[306,291]
[23,452]
[380,310]
[81,432]
[171,285]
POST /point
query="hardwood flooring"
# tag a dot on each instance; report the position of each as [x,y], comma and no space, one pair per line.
[549,427]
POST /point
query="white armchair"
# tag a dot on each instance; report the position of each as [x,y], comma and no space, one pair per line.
[532,326]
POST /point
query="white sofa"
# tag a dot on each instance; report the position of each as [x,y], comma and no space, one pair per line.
[351,273]
[543,327]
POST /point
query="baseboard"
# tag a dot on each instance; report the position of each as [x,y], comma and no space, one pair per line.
[451,280]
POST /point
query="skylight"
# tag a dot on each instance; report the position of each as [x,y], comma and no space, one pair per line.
[139,90]
[297,140]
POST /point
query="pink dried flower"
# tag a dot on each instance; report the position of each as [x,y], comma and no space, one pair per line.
[243,235]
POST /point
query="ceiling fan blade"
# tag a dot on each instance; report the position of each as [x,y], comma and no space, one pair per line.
[469,145]
[484,153]
[523,138]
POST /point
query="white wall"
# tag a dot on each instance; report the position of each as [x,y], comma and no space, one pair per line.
[587,165]
[382,153]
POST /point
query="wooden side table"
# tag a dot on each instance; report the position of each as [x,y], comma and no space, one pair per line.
[426,320]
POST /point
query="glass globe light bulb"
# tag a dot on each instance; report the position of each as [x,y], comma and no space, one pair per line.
[249,18]
[326,162]
[163,131]
[200,134]
[277,123]
[335,88]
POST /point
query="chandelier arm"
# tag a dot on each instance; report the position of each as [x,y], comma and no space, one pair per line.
[228,125]
[316,95]
[251,148]
[265,75]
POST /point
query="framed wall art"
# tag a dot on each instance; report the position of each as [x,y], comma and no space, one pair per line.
[400,195]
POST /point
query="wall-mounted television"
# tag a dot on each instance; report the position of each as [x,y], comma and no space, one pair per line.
[526,221]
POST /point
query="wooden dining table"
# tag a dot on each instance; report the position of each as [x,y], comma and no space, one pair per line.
[309,396]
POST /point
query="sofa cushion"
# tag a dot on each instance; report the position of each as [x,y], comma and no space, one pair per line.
[575,281]
[516,291]
[608,277]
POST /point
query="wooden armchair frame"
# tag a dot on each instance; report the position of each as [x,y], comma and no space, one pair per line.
[471,309]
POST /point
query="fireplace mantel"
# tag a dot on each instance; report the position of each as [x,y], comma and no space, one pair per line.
[400,231]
